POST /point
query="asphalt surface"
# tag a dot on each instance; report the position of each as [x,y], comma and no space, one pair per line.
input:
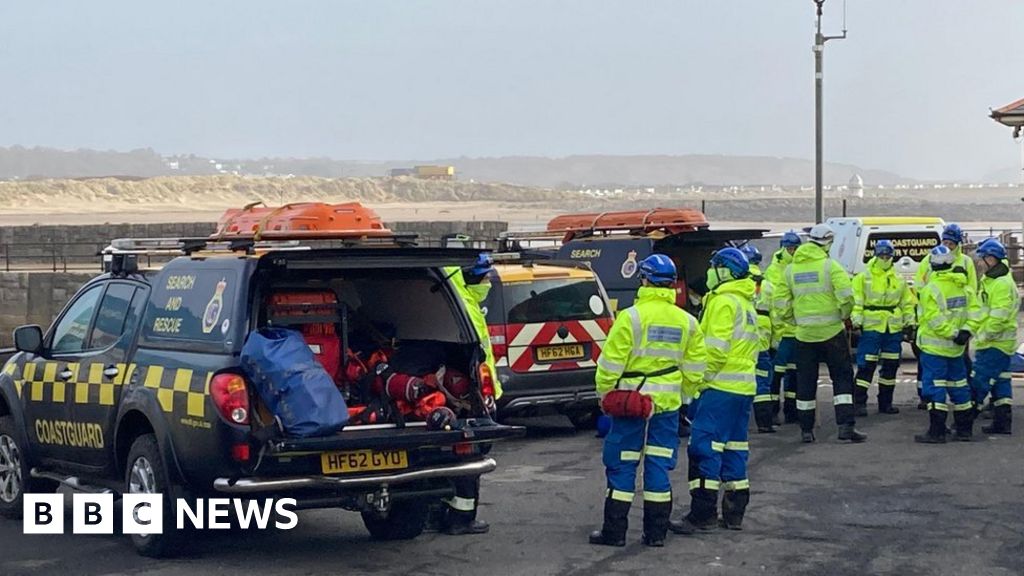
[888,506]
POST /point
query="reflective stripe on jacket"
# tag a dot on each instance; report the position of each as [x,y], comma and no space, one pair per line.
[472,297]
[1000,304]
[730,330]
[816,294]
[882,302]
[775,274]
[763,307]
[946,305]
[653,335]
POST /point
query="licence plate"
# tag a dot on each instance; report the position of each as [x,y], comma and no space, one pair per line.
[560,352]
[363,461]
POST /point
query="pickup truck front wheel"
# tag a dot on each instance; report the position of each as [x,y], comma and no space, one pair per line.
[405,520]
[145,474]
[14,474]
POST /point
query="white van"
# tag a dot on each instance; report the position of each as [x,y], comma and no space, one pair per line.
[913,237]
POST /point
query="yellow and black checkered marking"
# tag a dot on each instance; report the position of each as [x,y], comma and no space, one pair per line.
[178,390]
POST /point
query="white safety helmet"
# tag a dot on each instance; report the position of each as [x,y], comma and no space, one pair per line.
[941,258]
[821,234]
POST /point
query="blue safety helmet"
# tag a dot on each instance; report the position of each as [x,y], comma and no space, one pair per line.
[953,233]
[482,266]
[790,239]
[751,252]
[992,247]
[733,260]
[884,248]
[658,269]
[941,258]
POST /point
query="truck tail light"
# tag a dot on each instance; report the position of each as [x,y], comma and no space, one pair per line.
[231,397]
[486,381]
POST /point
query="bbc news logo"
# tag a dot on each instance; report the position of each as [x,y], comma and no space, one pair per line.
[143,514]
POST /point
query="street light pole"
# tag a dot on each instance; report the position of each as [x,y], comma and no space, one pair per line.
[819,76]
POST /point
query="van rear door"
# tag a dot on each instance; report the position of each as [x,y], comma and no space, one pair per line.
[558,320]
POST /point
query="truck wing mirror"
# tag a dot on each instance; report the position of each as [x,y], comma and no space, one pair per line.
[28,339]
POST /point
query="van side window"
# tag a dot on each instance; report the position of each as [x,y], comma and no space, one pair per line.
[112,317]
[70,333]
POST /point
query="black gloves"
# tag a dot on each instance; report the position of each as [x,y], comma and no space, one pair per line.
[910,333]
[961,337]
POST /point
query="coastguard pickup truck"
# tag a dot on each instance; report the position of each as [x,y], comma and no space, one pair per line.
[136,387]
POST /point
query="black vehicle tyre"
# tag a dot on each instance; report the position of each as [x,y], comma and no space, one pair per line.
[145,474]
[14,472]
[404,521]
[586,420]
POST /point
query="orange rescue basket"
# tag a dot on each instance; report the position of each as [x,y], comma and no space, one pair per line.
[302,220]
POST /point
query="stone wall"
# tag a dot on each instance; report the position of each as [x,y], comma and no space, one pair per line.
[34,298]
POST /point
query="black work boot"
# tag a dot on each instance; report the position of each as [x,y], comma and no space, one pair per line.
[734,505]
[807,436]
[1002,420]
[703,513]
[471,527]
[656,519]
[763,417]
[848,432]
[963,420]
[885,394]
[936,433]
[616,522]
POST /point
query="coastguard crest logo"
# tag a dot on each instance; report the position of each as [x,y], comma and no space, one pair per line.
[629,267]
[214,307]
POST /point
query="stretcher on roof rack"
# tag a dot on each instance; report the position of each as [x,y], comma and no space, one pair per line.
[276,228]
[667,221]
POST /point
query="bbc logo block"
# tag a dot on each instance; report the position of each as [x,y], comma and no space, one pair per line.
[93,514]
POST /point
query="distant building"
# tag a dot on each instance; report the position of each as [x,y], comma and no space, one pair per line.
[855,188]
[396,172]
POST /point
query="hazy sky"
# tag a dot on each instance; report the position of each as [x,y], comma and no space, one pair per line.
[909,91]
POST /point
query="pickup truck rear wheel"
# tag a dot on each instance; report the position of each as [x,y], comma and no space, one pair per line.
[404,521]
[145,474]
[14,474]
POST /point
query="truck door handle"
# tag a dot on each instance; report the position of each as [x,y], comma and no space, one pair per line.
[111,371]
[65,375]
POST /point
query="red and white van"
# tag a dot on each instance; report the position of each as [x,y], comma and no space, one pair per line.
[548,323]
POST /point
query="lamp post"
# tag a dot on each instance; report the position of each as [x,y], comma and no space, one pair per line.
[819,55]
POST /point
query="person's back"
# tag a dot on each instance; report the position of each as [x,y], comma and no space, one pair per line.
[816,294]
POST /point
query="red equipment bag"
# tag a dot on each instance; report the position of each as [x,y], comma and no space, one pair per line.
[315,314]
[627,404]
[632,403]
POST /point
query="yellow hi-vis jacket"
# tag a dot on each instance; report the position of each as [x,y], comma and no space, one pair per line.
[1000,303]
[472,297]
[882,301]
[763,307]
[651,336]
[730,330]
[963,264]
[816,294]
[775,274]
[946,305]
